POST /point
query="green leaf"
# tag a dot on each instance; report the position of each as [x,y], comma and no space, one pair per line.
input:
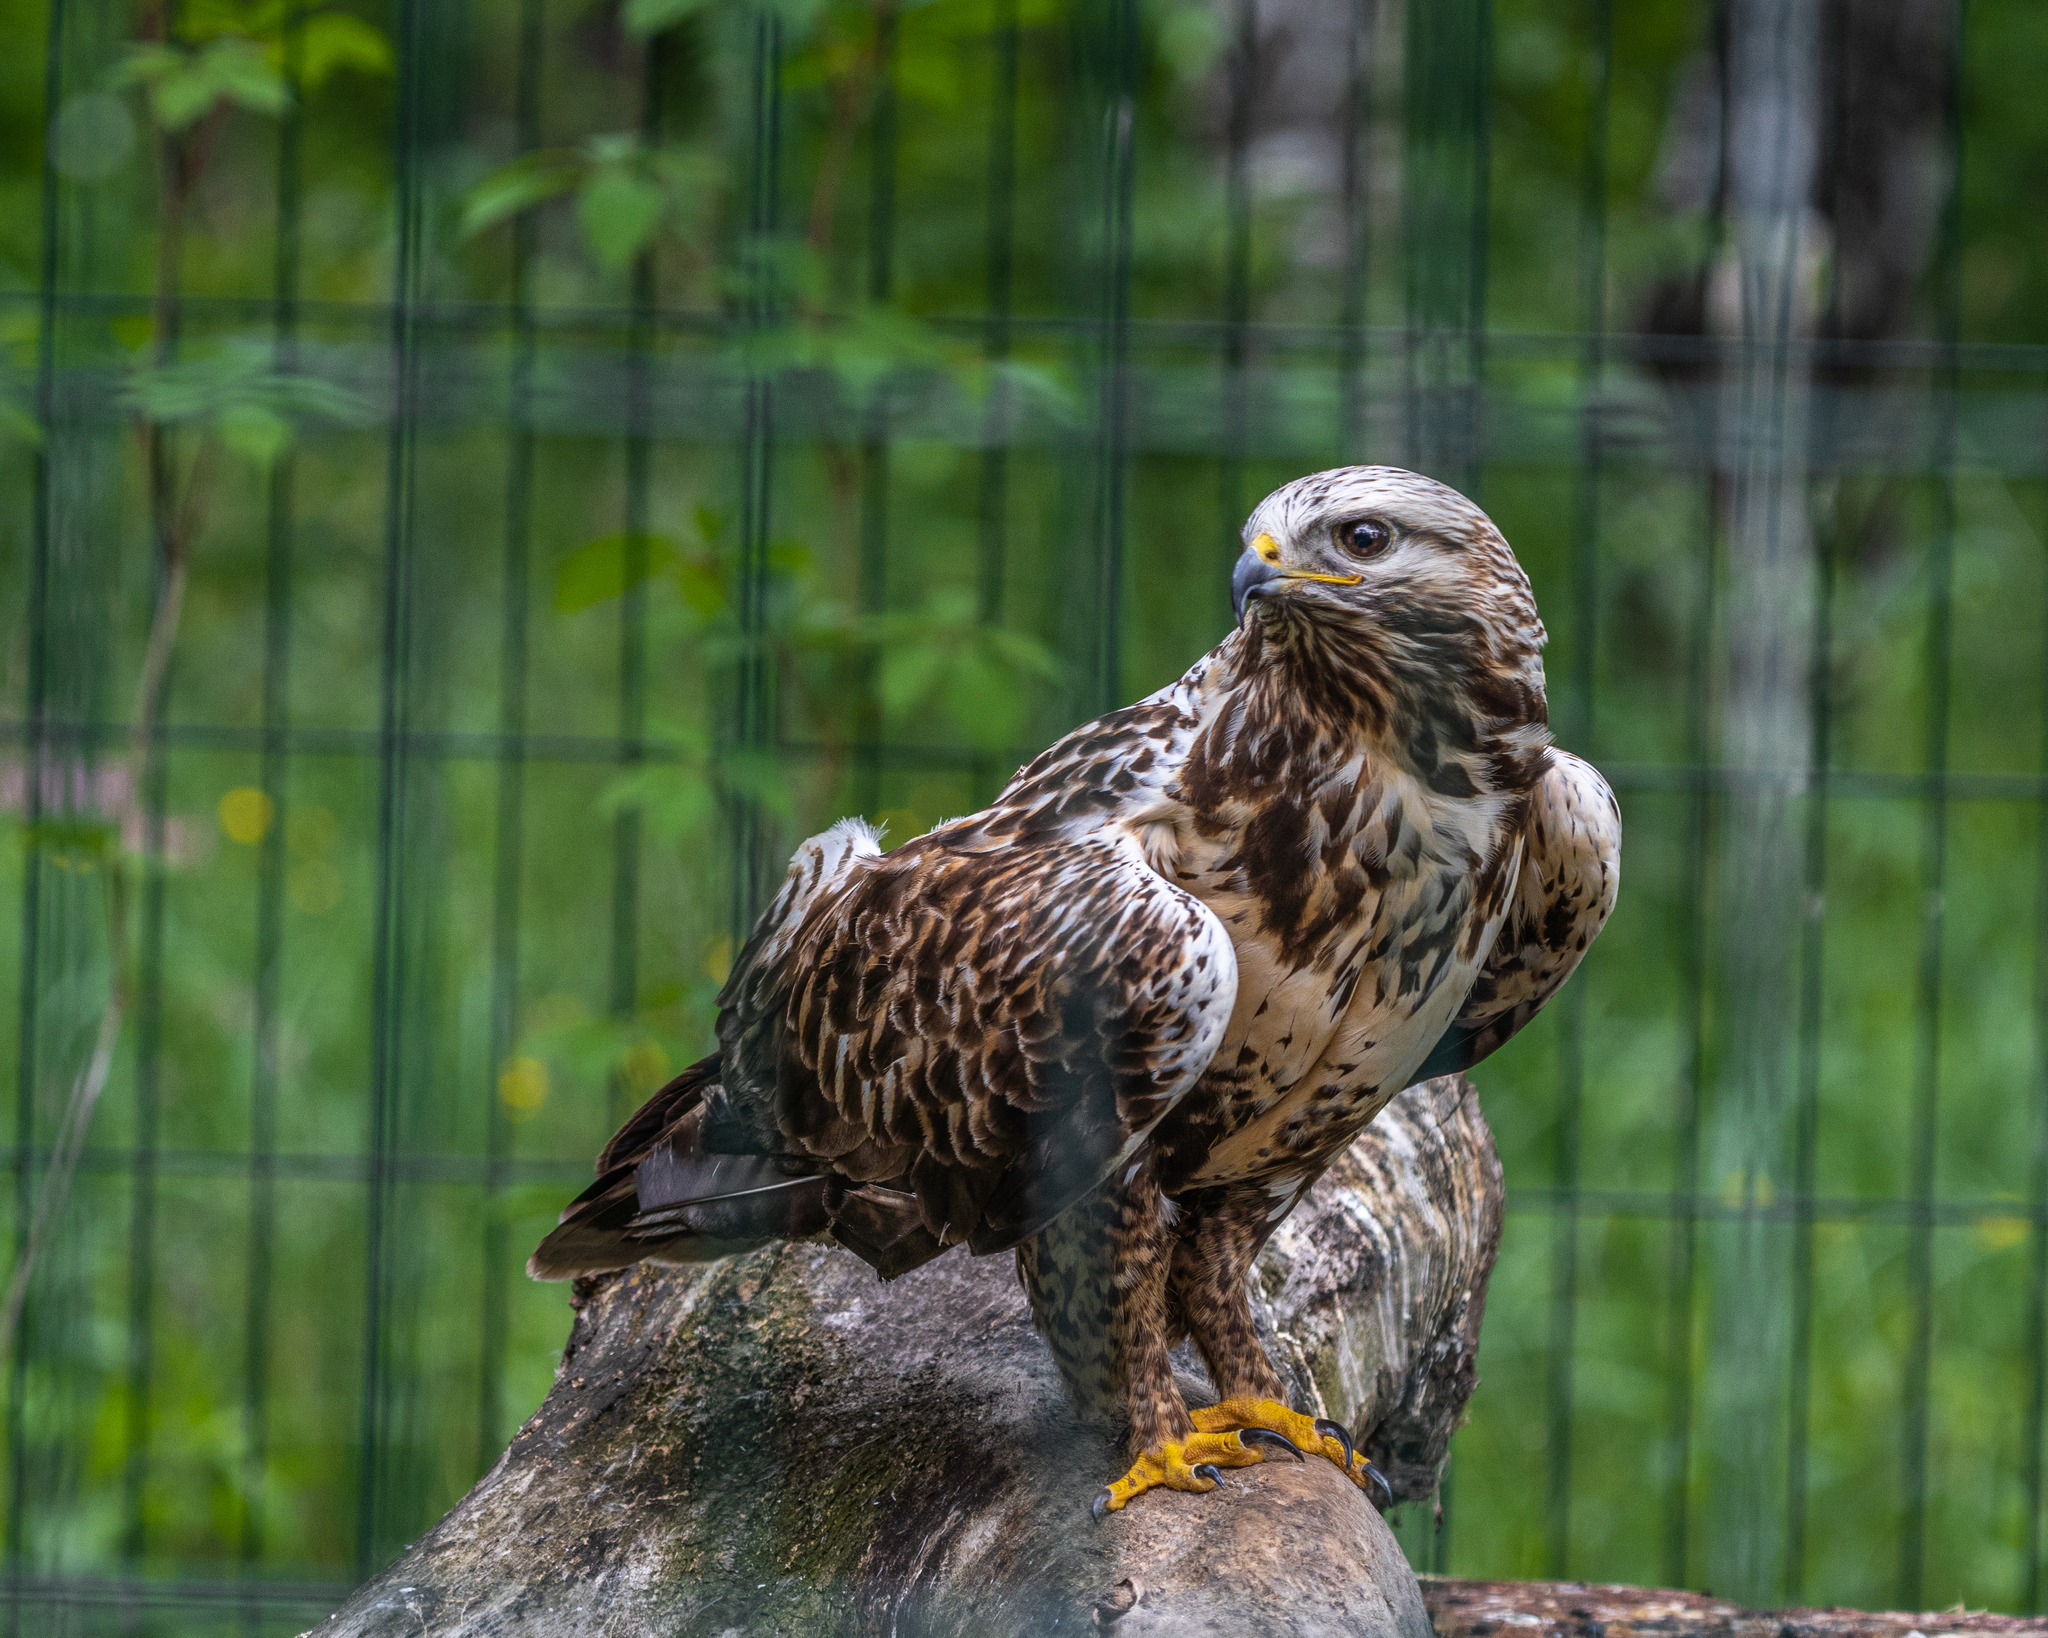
[702,585]
[602,569]
[510,189]
[145,64]
[255,432]
[644,17]
[619,212]
[185,85]
[331,41]
[235,392]
[243,76]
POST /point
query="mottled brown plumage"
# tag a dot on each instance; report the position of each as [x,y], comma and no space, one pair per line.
[1123,1017]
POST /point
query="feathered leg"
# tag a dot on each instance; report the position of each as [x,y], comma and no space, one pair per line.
[1209,1286]
[1211,1264]
[1097,1278]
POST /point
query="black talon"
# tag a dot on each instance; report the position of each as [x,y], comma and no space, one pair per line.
[1266,1436]
[1209,1471]
[1096,1506]
[1375,1477]
[1336,1430]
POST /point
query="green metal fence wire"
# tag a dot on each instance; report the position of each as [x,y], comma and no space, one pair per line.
[1775,1283]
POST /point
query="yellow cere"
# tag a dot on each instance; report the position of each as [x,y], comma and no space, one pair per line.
[1269,550]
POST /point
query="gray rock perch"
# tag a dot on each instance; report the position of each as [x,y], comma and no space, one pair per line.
[781,1444]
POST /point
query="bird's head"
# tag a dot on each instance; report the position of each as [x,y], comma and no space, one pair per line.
[1381,592]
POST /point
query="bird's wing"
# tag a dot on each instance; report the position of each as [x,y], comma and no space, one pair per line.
[994,1027]
[1571,868]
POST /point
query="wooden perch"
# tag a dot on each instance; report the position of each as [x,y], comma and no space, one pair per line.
[779,1443]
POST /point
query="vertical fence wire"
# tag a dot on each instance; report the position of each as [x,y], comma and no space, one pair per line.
[36,752]
[509,844]
[1242,79]
[752,728]
[1479,232]
[624,953]
[2034,1458]
[167,527]
[1118,184]
[1682,1209]
[1806,1086]
[388,963]
[1926,1126]
[1828,530]
[1585,552]
[1355,214]
[873,591]
[992,522]
[1700,838]
[265,1066]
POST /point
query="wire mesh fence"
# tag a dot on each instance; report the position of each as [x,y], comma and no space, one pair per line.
[484,481]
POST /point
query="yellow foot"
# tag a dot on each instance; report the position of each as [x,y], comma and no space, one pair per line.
[1304,1433]
[1187,1464]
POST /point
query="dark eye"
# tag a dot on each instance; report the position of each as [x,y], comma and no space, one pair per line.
[1367,539]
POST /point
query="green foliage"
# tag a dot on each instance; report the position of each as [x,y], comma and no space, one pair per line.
[626,189]
[941,655]
[185,83]
[310,42]
[235,55]
[329,42]
[239,396]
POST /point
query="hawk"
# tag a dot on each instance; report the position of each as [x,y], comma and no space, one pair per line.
[1118,1021]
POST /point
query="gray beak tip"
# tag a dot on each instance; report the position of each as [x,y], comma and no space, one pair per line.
[1251,574]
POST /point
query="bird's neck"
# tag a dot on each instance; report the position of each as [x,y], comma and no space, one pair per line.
[1277,712]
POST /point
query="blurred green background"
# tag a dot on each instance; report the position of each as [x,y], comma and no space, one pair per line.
[480,479]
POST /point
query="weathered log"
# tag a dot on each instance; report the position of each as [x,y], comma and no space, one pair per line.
[1579,1609]
[778,1443]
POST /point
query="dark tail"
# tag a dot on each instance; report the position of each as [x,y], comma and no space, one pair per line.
[660,1195]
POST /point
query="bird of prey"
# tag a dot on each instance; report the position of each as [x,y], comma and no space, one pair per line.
[1118,1021]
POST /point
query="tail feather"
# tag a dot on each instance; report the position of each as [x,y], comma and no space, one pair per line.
[661,1196]
[648,1124]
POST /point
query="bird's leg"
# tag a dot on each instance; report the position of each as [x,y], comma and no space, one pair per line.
[1209,1276]
[1097,1278]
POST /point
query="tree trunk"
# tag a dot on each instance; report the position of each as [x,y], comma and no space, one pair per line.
[779,1443]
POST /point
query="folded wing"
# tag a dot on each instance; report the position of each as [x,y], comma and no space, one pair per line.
[1570,872]
[945,1043]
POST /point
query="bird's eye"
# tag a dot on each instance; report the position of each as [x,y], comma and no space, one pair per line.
[1366,539]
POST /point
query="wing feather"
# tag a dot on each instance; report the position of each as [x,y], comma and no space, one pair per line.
[998,1027]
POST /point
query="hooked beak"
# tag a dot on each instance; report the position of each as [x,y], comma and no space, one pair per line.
[1254,572]
[1259,568]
